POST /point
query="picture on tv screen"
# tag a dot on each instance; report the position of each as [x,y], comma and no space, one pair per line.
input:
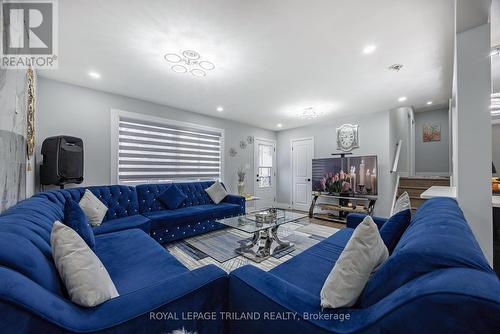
[348,175]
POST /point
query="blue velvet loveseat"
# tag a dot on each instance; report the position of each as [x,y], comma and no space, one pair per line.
[155,288]
[435,281]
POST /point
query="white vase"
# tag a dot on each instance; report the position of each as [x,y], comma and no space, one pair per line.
[241,188]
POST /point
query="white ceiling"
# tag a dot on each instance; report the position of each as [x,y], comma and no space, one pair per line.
[272,58]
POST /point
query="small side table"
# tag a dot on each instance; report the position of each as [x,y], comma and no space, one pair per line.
[250,202]
[252,198]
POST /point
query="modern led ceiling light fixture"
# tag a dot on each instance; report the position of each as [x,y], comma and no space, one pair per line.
[309,113]
[495,103]
[189,61]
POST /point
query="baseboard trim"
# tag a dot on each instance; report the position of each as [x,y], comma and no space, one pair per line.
[283,205]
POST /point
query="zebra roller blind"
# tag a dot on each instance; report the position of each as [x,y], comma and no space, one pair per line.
[150,152]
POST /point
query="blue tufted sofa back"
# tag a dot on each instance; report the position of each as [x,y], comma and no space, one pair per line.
[25,242]
[120,200]
[438,237]
[195,192]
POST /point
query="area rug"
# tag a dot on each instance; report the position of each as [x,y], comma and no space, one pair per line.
[218,247]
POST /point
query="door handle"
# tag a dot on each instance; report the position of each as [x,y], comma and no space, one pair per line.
[308,180]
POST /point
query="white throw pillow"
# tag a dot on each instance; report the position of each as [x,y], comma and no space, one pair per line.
[362,255]
[216,192]
[85,277]
[402,203]
[94,209]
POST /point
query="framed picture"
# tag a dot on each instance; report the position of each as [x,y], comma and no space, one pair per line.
[431,132]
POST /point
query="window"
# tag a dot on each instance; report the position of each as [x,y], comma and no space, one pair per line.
[162,151]
[265,165]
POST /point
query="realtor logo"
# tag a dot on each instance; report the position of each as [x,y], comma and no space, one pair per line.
[29,34]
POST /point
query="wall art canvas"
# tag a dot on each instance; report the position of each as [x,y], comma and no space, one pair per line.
[431,132]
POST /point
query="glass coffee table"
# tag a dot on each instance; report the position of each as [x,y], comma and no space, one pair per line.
[264,234]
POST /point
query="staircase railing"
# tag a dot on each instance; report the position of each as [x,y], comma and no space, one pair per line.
[394,169]
[395,196]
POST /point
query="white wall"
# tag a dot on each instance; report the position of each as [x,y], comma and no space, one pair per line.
[472,132]
[432,158]
[373,139]
[65,109]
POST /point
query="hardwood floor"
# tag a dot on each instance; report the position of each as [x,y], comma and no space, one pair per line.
[320,221]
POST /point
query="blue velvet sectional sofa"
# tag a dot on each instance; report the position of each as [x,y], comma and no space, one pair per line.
[435,281]
[148,278]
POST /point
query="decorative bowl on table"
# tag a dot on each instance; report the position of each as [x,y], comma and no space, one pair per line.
[266,216]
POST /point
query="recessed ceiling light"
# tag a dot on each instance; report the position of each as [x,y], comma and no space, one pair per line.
[369,49]
[279,125]
[94,75]
[429,103]
[220,109]
[402,99]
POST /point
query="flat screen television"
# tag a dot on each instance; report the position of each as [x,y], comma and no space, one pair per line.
[353,175]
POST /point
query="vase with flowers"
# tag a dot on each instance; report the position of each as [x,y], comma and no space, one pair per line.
[241,181]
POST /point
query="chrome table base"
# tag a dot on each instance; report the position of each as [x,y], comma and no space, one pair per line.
[264,239]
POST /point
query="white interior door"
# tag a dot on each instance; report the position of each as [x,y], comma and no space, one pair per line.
[265,172]
[302,154]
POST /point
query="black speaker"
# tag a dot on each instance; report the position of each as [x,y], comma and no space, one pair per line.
[62,161]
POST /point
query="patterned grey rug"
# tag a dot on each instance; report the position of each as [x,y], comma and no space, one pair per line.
[218,247]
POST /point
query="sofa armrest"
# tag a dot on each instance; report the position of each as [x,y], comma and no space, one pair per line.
[354,219]
[236,199]
[210,280]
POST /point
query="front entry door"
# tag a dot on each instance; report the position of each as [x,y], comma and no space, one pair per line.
[302,154]
[265,172]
